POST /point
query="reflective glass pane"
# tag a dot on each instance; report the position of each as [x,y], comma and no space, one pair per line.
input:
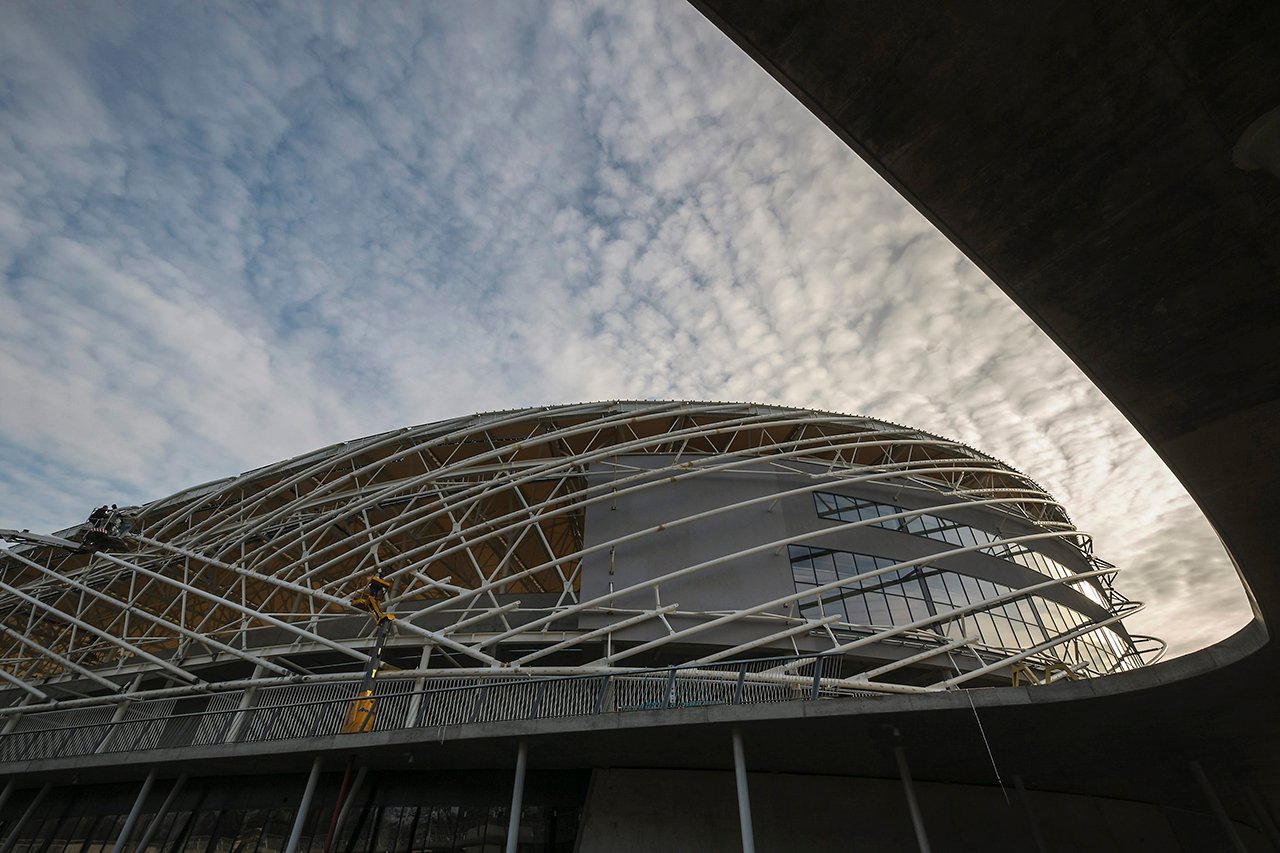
[898,612]
[877,609]
[856,610]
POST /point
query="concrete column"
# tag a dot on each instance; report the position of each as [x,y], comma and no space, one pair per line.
[517,799]
[125,831]
[1215,805]
[917,820]
[744,795]
[304,807]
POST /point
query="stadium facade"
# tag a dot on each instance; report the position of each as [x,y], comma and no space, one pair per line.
[507,631]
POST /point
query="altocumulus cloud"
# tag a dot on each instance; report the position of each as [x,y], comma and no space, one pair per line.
[234,234]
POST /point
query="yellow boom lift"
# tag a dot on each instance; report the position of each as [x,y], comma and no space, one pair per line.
[360,715]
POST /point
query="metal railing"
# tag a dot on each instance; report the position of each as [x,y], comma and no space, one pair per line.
[292,712]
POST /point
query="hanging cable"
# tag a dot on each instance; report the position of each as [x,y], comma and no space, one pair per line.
[990,755]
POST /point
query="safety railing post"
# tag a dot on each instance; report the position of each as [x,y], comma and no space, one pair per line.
[742,682]
[817,678]
[669,698]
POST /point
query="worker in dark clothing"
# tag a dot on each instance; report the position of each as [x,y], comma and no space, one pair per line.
[98,516]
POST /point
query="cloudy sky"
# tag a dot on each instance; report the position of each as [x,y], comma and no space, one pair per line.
[233,234]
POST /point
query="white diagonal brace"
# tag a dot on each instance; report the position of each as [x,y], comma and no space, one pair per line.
[434,636]
[240,608]
[97,632]
[59,659]
[203,639]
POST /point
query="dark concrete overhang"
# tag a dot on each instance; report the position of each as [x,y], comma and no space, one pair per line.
[1107,166]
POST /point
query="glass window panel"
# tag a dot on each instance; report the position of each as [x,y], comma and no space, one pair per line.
[918,608]
[856,610]
[844,563]
[1046,618]
[833,603]
[824,574]
[898,612]
[990,630]
[396,824]
[442,831]
[864,563]
[938,591]
[1020,634]
[1025,611]
[971,589]
[986,630]
[74,831]
[877,609]
[955,586]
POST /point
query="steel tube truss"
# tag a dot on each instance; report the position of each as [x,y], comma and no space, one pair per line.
[482,526]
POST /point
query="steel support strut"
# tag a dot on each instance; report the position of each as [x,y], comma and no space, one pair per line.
[303,807]
[917,820]
[744,796]
[517,799]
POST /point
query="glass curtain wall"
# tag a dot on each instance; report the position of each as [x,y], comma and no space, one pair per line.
[901,596]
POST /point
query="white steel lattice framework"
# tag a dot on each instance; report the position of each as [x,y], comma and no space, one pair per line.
[480,525]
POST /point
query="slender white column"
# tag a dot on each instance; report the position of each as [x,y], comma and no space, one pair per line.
[161,812]
[744,796]
[303,807]
[1215,806]
[917,820]
[12,838]
[125,831]
[517,800]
